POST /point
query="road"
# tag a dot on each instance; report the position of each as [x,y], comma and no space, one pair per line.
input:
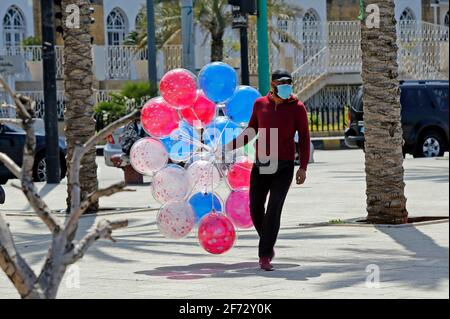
[312,261]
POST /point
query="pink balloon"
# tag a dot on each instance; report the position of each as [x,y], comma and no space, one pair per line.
[148,156]
[237,208]
[216,233]
[201,113]
[239,174]
[176,219]
[158,118]
[179,88]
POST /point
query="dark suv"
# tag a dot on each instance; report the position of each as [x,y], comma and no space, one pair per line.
[424,118]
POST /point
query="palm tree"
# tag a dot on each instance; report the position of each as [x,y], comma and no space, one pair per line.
[79,108]
[214,16]
[386,201]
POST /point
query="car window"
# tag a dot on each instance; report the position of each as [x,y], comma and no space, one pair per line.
[356,102]
[441,98]
[414,98]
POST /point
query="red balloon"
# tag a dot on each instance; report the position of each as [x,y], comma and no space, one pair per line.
[201,113]
[179,88]
[216,233]
[158,118]
[239,174]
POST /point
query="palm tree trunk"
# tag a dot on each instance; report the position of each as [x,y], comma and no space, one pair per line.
[386,201]
[217,46]
[79,113]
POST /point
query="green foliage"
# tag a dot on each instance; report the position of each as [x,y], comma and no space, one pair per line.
[214,16]
[336,222]
[139,90]
[132,95]
[31,41]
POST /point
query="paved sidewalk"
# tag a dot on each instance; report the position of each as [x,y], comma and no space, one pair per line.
[311,262]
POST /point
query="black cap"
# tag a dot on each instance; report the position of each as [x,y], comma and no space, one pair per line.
[281,75]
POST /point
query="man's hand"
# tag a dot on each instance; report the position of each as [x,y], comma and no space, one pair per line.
[301,176]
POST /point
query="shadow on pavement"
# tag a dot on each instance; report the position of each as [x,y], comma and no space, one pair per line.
[221,270]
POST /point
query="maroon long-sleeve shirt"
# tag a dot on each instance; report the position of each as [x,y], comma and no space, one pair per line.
[288,117]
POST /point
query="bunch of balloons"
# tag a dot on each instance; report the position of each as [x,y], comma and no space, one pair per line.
[184,128]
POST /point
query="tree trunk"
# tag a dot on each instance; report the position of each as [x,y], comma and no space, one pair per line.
[79,113]
[386,201]
[217,48]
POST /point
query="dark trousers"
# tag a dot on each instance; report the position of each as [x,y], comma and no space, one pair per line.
[267,223]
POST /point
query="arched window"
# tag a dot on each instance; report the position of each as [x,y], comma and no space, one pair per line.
[116,26]
[13,27]
[312,35]
[407,15]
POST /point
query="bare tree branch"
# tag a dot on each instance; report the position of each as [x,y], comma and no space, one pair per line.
[17,270]
[103,230]
[80,151]
[92,198]
[11,165]
[20,107]
[11,121]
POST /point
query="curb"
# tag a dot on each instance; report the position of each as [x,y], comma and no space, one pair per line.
[329,143]
[354,223]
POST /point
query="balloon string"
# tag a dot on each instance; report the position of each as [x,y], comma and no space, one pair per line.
[222,175]
[212,188]
[218,141]
[194,142]
[191,140]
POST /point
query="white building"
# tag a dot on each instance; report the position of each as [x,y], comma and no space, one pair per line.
[328,47]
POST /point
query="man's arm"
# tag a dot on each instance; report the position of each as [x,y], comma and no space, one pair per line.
[247,135]
[304,143]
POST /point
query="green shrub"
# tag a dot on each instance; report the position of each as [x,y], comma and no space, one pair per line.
[31,41]
[138,90]
[132,94]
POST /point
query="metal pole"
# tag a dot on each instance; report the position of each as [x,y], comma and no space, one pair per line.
[187,30]
[244,57]
[151,43]
[263,48]
[50,98]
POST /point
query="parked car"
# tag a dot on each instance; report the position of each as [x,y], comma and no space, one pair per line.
[425,119]
[113,146]
[12,141]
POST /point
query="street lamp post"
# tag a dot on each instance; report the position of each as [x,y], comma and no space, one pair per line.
[263,48]
[188,34]
[51,115]
[151,43]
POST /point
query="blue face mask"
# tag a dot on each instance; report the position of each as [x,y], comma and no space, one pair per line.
[284,91]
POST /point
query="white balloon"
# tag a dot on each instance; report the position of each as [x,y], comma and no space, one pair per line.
[148,156]
[171,184]
[176,219]
[204,176]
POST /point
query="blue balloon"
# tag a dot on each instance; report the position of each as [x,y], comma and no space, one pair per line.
[202,204]
[221,131]
[218,81]
[240,107]
[181,143]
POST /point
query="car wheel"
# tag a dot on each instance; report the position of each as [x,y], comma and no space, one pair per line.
[40,169]
[431,144]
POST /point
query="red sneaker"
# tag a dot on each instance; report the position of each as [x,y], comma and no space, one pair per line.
[273,255]
[265,264]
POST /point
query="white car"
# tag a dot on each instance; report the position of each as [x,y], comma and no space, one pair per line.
[113,146]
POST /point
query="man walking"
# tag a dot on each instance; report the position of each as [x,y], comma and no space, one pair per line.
[277,118]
